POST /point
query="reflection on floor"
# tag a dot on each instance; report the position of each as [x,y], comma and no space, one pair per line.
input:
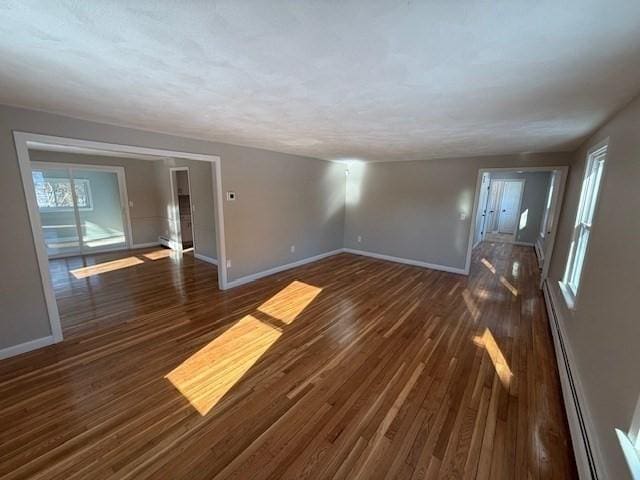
[102,290]
[349,367]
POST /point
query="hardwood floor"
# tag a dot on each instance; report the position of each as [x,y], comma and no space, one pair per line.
[349,367]
[97,291]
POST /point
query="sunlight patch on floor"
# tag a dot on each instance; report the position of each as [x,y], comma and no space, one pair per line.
[471,305]
[489,266]
[210,373]
[503,281]
[488,342]
[509,286]
[105,267]
[158,254]
[206,376]
[287,304]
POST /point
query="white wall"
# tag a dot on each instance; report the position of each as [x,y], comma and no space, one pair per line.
[604,331]
[282,199]
[413,210]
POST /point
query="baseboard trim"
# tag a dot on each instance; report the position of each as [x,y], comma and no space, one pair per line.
[407,261]
[539,254]
[145,245]
[204,258]
[524,244]
[281,268]
[26,347]
[584,442]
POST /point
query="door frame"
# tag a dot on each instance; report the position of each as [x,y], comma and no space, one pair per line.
[482,210]
[177,244]
[25,140]
[123,195]
[564,172]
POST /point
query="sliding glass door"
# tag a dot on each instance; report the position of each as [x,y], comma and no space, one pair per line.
[57,216]
[81,208]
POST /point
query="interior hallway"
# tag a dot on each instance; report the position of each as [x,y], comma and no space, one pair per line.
[312,373]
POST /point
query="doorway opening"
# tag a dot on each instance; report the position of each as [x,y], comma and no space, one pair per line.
[183,209]
[519,206]
[503,209]
[97,211]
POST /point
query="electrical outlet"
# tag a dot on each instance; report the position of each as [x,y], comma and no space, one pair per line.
[229,263]
[359,238]
[293,248]
[231,196]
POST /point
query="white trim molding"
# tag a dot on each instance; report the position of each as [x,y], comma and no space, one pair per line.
[585,443]
[407,261]
[539,251]
[24,141]
[26,347]
[145,245]
[524,244]
[630,453]
[204,258]
[281,268]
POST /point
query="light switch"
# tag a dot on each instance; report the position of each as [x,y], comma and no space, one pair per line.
[130,204]
[231,196]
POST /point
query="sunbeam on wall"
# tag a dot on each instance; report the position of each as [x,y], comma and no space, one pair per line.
[210,373]
[355,174]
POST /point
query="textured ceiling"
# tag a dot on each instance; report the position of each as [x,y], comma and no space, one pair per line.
[372,80]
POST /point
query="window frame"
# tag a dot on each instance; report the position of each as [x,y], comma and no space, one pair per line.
[588,202]
[58,209]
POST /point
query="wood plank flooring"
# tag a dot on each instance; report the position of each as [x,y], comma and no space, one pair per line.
[347,368]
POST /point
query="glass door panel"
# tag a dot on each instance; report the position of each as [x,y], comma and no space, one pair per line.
[100,209]
[57,214]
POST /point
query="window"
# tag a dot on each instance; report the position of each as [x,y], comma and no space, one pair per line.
[584,220]
[54,194]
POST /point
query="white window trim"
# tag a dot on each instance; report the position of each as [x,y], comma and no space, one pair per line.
[85,181]
[630,444]
[570,295]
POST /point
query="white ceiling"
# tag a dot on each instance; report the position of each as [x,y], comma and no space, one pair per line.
[371,80]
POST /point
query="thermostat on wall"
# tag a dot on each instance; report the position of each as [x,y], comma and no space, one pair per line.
[231,196]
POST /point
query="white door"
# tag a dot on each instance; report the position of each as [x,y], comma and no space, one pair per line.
[510,206]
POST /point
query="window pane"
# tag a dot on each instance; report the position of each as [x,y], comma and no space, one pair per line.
[62,193]
[44,194]
[584,218]
[59,227]
[597,175]
[82,193]
[580,250]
